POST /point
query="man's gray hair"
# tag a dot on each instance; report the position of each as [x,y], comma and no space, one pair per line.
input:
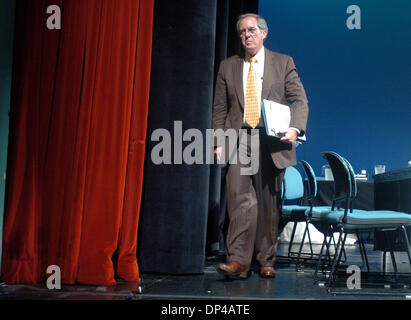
[261,23]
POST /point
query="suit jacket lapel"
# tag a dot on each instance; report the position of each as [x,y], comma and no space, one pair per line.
[238,80]
[268,77]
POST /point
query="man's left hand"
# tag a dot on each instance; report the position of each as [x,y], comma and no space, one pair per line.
[289,136]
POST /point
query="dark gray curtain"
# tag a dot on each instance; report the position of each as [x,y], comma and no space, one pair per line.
[175,198]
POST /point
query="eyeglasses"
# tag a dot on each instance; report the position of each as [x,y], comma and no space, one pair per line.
[252,31]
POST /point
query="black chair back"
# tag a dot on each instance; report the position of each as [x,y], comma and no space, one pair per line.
[342,180]
[354,189]
[312,181]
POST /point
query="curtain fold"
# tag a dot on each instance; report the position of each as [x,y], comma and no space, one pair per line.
[77,141]
[175,201]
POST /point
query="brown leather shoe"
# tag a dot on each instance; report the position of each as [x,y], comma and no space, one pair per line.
[267,272]
[233,270]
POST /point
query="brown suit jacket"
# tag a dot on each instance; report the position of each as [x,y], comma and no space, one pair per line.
[281,83]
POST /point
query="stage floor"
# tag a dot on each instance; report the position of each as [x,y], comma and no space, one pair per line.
[289,284]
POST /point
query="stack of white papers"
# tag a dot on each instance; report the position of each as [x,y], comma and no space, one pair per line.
[277,119]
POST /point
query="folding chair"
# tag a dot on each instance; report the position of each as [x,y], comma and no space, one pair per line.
[355,221]
[342,198]
[316,215]
[293,189]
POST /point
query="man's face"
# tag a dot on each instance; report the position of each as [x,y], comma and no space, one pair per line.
[251,36]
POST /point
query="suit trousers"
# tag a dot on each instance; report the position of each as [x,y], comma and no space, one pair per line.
[253,202]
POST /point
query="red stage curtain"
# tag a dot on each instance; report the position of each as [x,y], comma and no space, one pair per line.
[77,141]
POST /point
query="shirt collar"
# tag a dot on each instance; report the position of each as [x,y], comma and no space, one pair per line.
[259,56]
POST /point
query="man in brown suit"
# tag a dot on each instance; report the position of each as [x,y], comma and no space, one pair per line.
[253,199]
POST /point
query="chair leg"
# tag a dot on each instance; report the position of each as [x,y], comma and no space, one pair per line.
[292,239]
[328,246]
[334,260]
[337,257]
[407,243]
[320,258]
[345,256]
[297,265]
[342,248]
[328,249]
[363,252]
[390,240]
[394,264]
[309,239]
[365,256]
[307,232]
[360,247]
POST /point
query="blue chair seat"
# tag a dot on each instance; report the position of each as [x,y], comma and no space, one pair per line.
[320,212]
[295,211]
[369,219]
[317,213]
[295,208]
[301,212]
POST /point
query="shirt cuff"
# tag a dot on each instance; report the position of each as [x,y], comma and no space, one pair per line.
[298,130]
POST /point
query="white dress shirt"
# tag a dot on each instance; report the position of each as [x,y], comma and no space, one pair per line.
[259,68]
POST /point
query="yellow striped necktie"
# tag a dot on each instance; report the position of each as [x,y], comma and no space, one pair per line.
[252,116]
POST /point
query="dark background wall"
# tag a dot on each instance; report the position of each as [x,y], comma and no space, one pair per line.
[358,82]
